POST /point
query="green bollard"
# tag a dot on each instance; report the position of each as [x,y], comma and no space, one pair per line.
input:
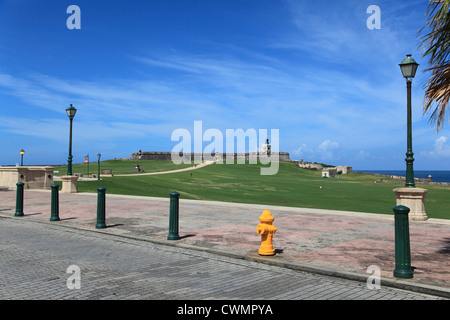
[55,203]
[19,200]
[402,247]
[101,208]
[173,217]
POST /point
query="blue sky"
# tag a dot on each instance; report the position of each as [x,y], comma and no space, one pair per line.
[138,70]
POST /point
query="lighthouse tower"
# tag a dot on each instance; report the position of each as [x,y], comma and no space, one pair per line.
[265,148]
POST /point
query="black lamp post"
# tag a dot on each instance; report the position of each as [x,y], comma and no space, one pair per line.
[409,67]
[86,160]
[22,152]
[98,166]
[71,111]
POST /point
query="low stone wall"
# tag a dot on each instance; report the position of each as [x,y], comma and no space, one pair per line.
[34,177]
[310,166]
[416,180]
[400,179]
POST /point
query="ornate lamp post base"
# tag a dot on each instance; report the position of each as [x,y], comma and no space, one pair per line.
[414,199]
[69,184]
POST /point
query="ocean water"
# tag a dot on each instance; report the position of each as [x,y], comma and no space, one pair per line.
[437,176]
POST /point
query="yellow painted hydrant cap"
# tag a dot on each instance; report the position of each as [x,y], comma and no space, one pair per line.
[266,216]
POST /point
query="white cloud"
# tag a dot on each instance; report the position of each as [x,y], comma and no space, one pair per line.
[363,155]
[440,149]
[326,151]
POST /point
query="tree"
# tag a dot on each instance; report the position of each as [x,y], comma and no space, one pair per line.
[436,44]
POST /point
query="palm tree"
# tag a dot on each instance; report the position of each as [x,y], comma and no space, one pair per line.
[436,44]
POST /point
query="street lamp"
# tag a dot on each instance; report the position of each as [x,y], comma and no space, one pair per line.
[86,160]
[409,67]
[98,166]
[71,111]
[22,152]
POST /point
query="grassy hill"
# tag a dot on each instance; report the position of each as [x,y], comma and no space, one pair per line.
[291,186]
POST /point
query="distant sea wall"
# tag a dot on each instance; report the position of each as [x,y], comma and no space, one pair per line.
[400,179]
[150,155]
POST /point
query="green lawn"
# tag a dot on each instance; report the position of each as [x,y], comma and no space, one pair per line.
[291,186]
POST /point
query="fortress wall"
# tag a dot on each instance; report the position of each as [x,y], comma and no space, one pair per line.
[283,156]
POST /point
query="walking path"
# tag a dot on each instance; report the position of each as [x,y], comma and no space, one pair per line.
[195,167]
[48,261]
[337,243]
[203,164]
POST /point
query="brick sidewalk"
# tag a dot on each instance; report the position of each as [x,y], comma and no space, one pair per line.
[331,242]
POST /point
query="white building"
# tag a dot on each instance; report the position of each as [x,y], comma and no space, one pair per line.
[328,172]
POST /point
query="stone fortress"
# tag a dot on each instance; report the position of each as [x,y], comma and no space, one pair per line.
[327,172]
[190,156]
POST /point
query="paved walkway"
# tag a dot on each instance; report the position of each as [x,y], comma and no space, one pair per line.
[329,242]
[43,261]
[194,167]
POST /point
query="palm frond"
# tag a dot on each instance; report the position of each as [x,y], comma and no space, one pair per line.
[438,93]
[436,44]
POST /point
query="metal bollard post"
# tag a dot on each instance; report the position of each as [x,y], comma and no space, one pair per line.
[101,208]
[19,200]
[402,247]
[173,217]
[55,203]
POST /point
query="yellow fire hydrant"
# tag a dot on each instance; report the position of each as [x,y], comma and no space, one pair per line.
[267,232]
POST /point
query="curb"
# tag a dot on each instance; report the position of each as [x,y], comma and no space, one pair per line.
[393,283]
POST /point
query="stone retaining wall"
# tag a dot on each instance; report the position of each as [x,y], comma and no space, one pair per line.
[34,177]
